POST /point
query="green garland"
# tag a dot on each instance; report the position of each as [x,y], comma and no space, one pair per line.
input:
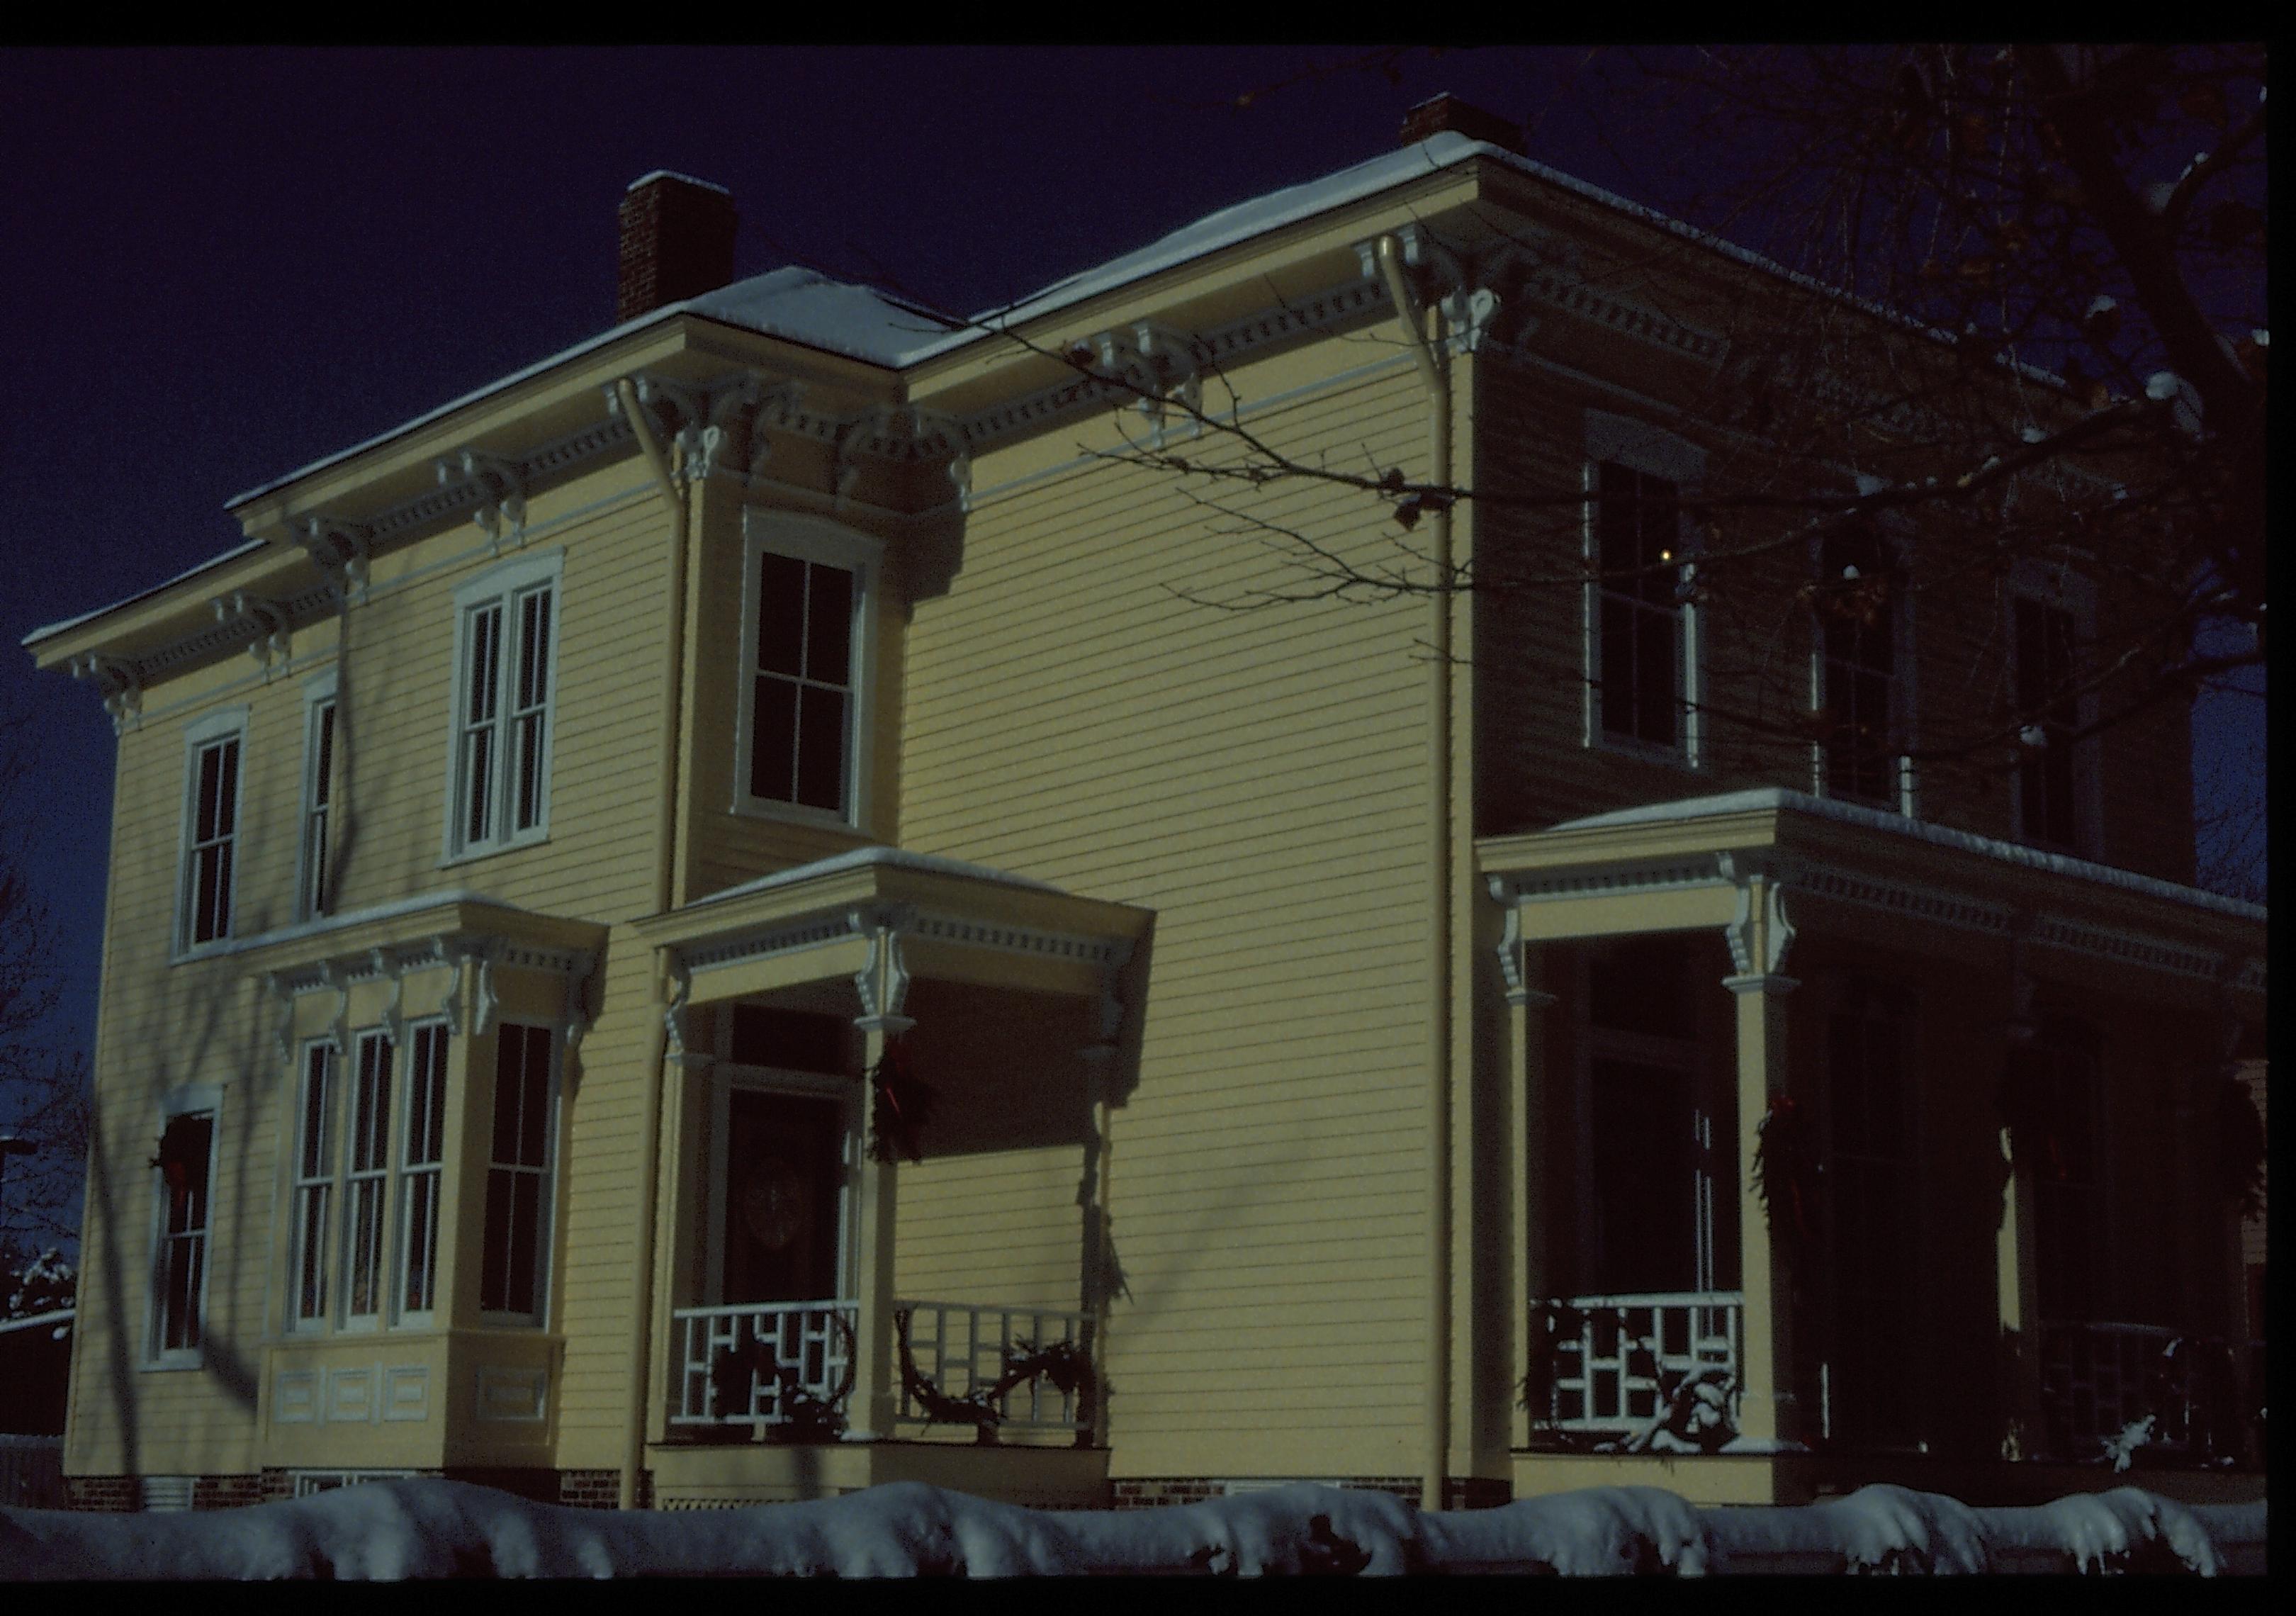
[1785,1169]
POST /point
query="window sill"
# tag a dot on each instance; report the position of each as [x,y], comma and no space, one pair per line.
[496,850]
[794,813]
[213,948]
[173,1363]
[1644,751]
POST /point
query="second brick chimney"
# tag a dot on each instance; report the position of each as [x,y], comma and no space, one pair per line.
[677,242]
[1447,111]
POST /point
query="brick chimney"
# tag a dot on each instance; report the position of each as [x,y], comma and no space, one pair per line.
[677,242]
[1447,111]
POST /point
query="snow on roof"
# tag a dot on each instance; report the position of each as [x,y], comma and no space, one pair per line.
[431,1528]
[325,924]
[647,179]
[232,555]
[860,858]
[1766,798]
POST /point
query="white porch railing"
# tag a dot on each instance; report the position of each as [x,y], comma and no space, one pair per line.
[1615,1359]
[747,1365]
[967,1349]
[2100,1383]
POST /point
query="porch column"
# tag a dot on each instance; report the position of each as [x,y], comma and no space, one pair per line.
[2016,1267]
[1758,937]
[1522,970]
[882,984]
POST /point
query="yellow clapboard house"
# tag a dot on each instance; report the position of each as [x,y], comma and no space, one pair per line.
[729,917]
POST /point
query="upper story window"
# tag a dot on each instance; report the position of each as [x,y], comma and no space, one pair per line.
[506,661]
[311,875]
[2054,788]
[804,669]
[1860,672]
[184,1172]
[204,904]
[1643,663]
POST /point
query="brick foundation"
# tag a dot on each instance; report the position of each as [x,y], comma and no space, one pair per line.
[1460,1492]
[230,1492]
[601,1488]
[116,1495]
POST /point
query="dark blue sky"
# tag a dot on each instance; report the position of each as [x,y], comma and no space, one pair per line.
[217,265]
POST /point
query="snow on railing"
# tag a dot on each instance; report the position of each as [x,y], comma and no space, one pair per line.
[1616,1365]
[2108,1390]
[1029,1366]
[764,1364]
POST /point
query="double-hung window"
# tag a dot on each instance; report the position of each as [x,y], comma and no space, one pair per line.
[1859,690]
[1643,673]
[513,1267]
[210,840]
[365,1233]
[804,694]
[184,1172]
[2049,617]
[311,895]
[506,661]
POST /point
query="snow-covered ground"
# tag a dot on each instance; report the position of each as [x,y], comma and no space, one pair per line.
[428,1528]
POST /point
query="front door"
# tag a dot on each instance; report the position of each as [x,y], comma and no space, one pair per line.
[784,1182]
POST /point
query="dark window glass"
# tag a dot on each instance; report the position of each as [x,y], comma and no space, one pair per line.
[821,748]
[829,624]
[1637,536]
[781,614]
[773,740]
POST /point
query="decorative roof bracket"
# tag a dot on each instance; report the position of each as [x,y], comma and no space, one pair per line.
[119,683]
[262,623]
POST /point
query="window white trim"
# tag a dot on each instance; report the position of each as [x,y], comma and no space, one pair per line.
[1903,692]
[811,538]
[225,724]
[1652,452]
[418,1187]
[497,595]
[315,821]
[192,1100]
[313,1222]
[2058,588]
[546,1171]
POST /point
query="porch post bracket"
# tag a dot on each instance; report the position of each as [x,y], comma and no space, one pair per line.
[392,969]
[673,1012]
[275,983]
[2022,1028]
[334,976]
[882,982]
[576,1022]
[1762,932]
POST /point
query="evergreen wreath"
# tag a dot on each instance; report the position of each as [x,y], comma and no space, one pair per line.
[179,1153]
[805,1416]
[1066,1365]
[2034,1145]
[900,1105]
[1785,1168]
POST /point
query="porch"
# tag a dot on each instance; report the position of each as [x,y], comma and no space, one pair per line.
[1805,1227]
[881,1223]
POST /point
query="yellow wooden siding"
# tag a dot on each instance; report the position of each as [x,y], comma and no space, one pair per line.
[1257,779]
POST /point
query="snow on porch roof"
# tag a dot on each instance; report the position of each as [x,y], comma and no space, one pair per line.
[1768,799]
[891,858]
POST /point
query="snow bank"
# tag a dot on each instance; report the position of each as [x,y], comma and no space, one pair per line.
[391,1530]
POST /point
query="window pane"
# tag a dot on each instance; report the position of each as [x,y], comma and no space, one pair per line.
[510,1057]
[821,748]
[486,664]
[829,624]
[773,740]
[529,771]
[534,648]
[478,783]
[781,613]
[534,1103]
[227,788]
[1656,691]
[525,1214]
[323,766]
[493,1265]
[1619,623]
[209,793]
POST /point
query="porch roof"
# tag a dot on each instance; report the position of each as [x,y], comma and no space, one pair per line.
[1690,853]
[957,919]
